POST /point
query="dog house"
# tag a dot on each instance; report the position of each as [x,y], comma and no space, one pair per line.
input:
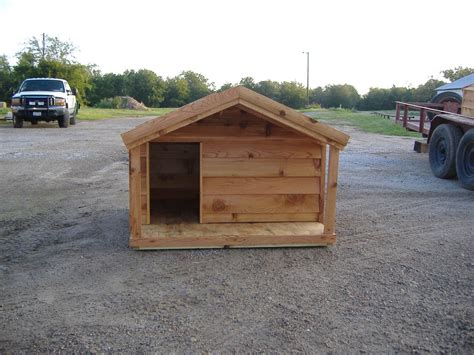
[233,169]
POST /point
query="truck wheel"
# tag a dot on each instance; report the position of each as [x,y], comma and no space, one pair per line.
[444,97]
[72,120]
[465,160]
[442,151]
[63,122]
[17,121]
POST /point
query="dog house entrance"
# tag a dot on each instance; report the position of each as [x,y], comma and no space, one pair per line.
[174,182]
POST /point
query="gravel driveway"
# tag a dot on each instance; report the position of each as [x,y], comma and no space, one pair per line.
[400,277]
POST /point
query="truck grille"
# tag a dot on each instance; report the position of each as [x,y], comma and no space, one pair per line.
[37,102]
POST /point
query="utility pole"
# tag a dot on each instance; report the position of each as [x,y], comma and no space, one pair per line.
[307,77]
[44,44]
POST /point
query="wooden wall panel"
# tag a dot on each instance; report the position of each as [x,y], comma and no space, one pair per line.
[263,149]
[258,217]
[330,213]
[144,189]
[265,185]
[467,107]
[175,171]
[260,167]
[250,170]
[260,203]
[135,193]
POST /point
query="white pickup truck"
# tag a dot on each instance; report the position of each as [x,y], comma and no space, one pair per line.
[44,99]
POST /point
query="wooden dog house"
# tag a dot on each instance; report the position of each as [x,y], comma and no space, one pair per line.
[233,169]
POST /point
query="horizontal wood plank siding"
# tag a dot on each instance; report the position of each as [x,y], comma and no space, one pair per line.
[260,203]
[174,173]
[260,167]
[263,149]
[252,170]
[259,217]
[265,185]
[467,107]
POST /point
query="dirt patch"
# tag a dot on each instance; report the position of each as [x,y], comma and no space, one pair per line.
[399,278]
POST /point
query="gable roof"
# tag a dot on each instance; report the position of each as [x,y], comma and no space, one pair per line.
[458,84]
[244,98]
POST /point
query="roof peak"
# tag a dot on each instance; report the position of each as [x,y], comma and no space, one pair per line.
[239,95]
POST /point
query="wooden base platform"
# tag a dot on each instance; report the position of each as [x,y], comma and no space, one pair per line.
[190,234]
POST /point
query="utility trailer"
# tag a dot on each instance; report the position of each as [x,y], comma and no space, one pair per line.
[450,137]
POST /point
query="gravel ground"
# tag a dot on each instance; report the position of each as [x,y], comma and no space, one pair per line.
[399,279]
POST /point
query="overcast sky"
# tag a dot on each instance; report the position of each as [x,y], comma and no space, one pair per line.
[360,42]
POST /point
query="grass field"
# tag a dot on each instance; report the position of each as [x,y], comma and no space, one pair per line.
[90,113]
[365,121]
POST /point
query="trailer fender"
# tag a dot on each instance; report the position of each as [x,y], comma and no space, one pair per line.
[463,122]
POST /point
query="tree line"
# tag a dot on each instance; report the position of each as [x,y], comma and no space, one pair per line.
[55,58]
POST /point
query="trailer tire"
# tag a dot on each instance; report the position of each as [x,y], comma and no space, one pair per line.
[442,151]
[465,160]
[443,97]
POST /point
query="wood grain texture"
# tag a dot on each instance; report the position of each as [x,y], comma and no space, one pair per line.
[467,106]
[144,187]
[213,204]
[184,116]
[203,133]
[200,184]
[291,118]
[330,213]
[322,184]
[232,241]
[260,167]
[174,194]
[194,235]
[243,98]
[259,217]
[263,149]
[173,181]
[174,166]
[265,185]
[135,193]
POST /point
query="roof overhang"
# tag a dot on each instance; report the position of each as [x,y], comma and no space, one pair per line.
[246,99]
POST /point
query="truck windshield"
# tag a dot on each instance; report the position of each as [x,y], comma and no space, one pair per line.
[42,85]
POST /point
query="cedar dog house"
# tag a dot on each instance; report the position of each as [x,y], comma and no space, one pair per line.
[200,174]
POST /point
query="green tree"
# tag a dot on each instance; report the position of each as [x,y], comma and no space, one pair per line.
[248,82]
[457,73]
[426,91]
[292,94]
[199,86]
[145,86]
[384,99]
[345,96]
[177,92]
[105,86]
[6,79]
[54,49]
[225,87]
[57,62]
[316,96]
[185,88]
[269,88]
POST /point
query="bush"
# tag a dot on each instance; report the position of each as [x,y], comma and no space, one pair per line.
[111,102]
[121,102]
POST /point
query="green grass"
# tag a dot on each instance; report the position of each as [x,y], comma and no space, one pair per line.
[363,120]
[91,113]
